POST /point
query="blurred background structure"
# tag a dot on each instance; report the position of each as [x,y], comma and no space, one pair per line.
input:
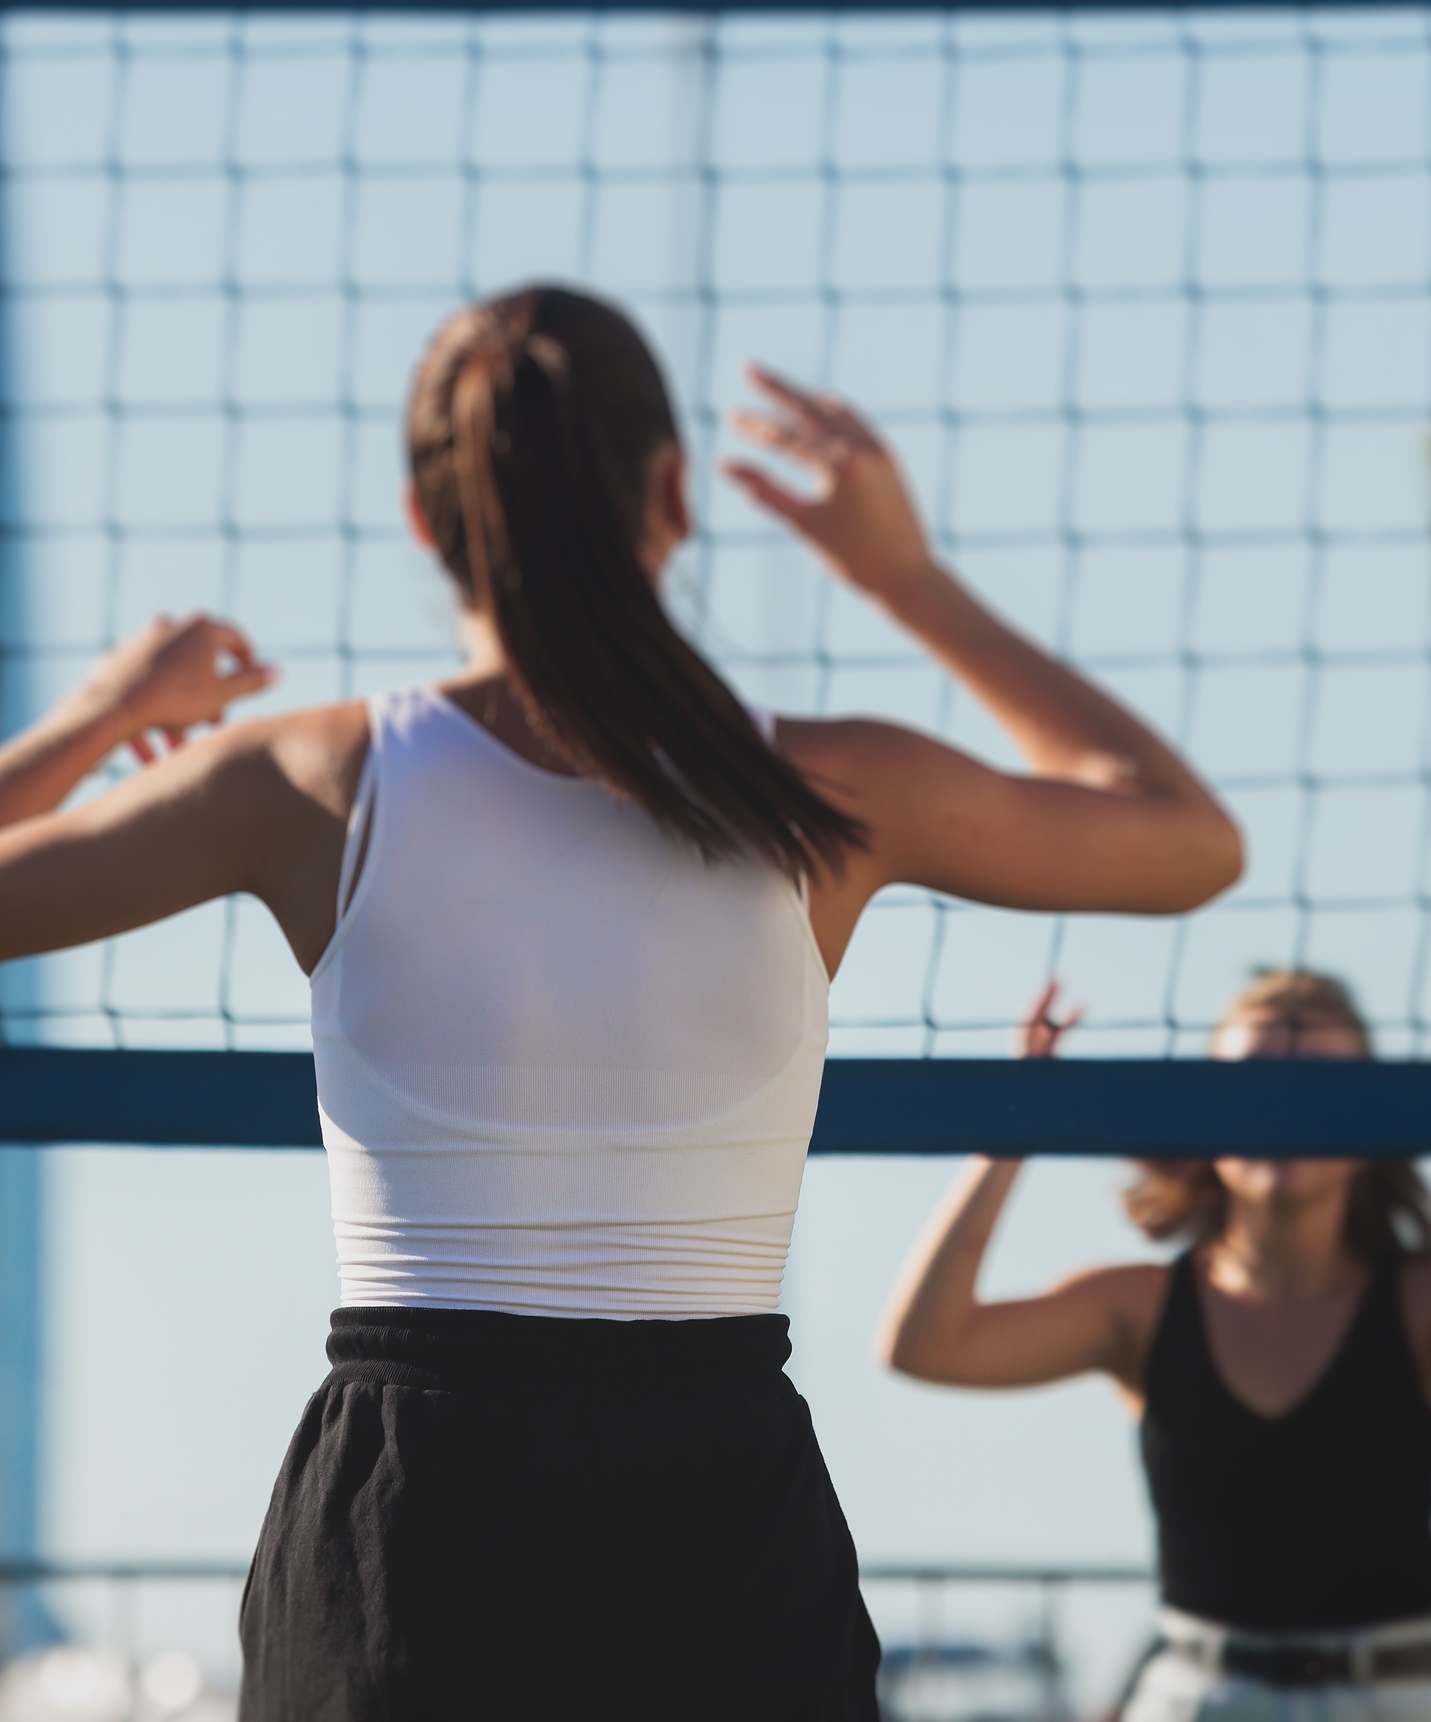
[1143,296]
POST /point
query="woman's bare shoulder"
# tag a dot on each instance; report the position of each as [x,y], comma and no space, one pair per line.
[1133,1289]
[259,772]
[290,781]
[1133,1296]
[317,750]
[1136,1295]
[850,749]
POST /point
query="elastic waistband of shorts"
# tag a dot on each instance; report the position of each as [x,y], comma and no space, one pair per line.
[426,1347]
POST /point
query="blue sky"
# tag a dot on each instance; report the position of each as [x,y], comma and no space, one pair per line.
[1143,300]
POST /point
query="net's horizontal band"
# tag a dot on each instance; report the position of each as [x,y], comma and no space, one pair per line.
[1120,1108]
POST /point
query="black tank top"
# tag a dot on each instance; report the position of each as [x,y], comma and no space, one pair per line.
[1318,1518]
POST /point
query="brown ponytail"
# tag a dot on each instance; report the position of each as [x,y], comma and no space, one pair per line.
[531,429]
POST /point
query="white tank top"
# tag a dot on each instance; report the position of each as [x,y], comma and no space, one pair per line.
[565,1067]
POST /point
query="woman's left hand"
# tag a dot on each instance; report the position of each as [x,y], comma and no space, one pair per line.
[171,676]
[862,519]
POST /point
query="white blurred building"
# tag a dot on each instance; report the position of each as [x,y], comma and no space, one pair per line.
[75,1683]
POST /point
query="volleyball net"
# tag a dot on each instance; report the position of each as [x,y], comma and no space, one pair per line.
[1143,298]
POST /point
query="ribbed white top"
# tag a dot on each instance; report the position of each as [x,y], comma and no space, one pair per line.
[565,1067]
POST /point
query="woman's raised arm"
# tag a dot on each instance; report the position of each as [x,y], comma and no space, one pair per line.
[167,678]
[260,808]
[1111,819]
[935,1328]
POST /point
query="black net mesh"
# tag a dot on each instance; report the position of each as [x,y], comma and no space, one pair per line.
[1143,297]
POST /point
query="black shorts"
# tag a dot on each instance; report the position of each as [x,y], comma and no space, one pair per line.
[491,1516]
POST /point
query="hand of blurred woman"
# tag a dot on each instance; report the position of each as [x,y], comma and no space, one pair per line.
[1041,1032]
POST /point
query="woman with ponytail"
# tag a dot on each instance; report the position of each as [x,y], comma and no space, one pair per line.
[570,919]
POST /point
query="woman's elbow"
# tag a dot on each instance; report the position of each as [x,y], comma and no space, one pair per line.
[1222,861]
[1205,862]
[892,1348]
[899,1350]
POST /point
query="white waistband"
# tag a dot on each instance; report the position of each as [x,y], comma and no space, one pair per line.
[1208,1637]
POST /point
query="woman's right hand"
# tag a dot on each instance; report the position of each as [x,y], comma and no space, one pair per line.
[1040,1032]
[173,675]
[862,519]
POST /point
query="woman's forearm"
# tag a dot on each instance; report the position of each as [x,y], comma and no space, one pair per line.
[864,523]
[1063,725]
[40,766]
[166,678]
[934,1296]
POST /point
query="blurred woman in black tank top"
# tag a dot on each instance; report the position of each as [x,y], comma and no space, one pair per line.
[1280,1369]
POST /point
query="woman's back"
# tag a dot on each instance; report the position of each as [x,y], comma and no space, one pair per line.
[566,1066]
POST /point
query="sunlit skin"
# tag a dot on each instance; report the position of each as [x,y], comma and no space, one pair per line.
[1278,1286]
[1106,817]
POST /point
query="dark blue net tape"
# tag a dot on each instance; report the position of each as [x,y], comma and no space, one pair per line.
[1145,1108]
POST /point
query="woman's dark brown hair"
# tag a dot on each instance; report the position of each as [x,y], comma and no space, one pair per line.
[532,426]
[1388,1207]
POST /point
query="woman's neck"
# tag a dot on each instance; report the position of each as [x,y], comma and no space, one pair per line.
[1282,1251]
[484,692]
[481,646]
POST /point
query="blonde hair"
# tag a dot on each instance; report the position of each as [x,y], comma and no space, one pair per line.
[1388,1206]
[1300,997]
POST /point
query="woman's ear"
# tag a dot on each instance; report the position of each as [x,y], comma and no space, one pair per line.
[668,516]
[416,518]
[678,509]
